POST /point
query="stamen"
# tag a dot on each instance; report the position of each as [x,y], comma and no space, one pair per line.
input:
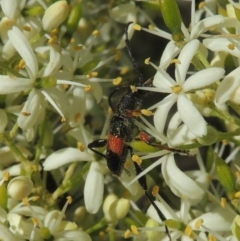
[155,191]
[25,113]
[64,119]
[211,237]
[134,229]
[81,146]
[88,88]
[175,61]
[54,32]
[199,223]
[137,159]
[77,117]
[147,61]
[151,27]
[231,46]
[146,112]
[96,33]
[27,28]
[22,64]
[237,194]
[134,88]
[52,40]
[188,231]
[177,89]
[124,70]
[78,47]
[223,202]
[137,27]
[201,5]
[92,74]
[117,81]
[127,234]
[118,55]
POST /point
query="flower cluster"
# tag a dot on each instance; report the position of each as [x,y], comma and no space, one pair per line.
[59,62]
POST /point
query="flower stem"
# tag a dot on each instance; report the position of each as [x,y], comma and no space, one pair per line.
[97,226]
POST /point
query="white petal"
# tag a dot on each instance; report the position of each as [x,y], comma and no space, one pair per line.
[5,234]
[185,57]
[180,184]
[161,114]
[203,78]
[168,54]
[55,62]
[5,25]
[124,13]
[57,99]
[163,80]
[9,8]
[24,48]
[191,116]
[65,156]
[97,91]
[221,44]
[179,134]
[93,189]
[72,235]
[8,50]
[30,133]
[228,86]
[10,85]
[206,24]
[51,219]
[29,113]
[219,220]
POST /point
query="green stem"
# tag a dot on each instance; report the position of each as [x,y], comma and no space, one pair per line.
[26,164]
[42,129]
[14,130]
[203,60]
[102,223]
[8,141]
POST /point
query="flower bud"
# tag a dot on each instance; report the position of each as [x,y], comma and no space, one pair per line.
[225,175]
[109,206]
[4,196]
[20,187]
[152,235]
[55,15]
[172,18]
[122,208]
[73,18]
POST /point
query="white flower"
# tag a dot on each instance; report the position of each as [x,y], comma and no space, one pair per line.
[35,102]
[178,88]
[94,186]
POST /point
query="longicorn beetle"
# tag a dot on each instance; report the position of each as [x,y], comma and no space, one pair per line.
[121,129]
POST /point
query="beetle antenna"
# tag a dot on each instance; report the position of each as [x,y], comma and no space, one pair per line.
[134,63]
